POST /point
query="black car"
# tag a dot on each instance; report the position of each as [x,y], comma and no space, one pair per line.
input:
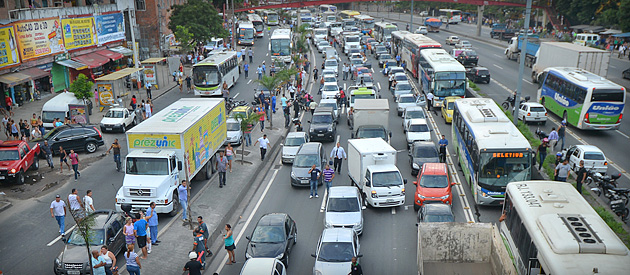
[274,236]
[478,74]
[468,58]
[107,230]
[422,152]
[77,137]
[436,212]
[323,125]
[626,74]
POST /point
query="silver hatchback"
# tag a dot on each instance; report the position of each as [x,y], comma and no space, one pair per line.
[344,209]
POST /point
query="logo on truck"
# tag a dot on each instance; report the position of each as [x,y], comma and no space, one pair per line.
[175,115]
[154,142]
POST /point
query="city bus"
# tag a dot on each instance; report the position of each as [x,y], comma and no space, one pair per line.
[397,41]
[327,8]
[383,31]
[209,74]
[411,46]
[549,228]
[246,33]
[490,150]
[584,99]
[280,45]
[450,16]
[365,23]
[258,24]
[347,14]
[441,74]
[271,18]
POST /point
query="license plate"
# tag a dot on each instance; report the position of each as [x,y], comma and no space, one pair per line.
[108,129]
[73,272]
[390,200]
[320,135]
[305,181]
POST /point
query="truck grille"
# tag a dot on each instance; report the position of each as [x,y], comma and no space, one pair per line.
[73,266]
[140,192]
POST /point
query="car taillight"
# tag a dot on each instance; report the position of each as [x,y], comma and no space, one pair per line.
[586,118]
[620,117]
[99,132]
[529,114]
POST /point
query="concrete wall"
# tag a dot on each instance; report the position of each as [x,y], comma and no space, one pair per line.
[499,257]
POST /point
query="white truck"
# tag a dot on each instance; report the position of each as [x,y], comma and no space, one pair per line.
[564,54]
[179,141]
[370,118]
[372,168]
[350,40]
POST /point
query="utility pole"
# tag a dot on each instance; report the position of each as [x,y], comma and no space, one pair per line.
[411,21]
[185,160]
[159,29]
[132,25]
[233,28]
[521,67]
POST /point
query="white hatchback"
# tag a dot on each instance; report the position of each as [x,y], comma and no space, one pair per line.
[335,250]
[329,91]
[592,156]
[417,130]
[532,112]
[344,209]
[452,40]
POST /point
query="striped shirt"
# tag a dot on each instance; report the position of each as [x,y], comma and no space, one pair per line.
[328,174]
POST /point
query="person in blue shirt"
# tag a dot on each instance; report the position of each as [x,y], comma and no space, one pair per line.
[273,103]
[153,222]
[182,191]
[246,69]
[140,230]
[443,143]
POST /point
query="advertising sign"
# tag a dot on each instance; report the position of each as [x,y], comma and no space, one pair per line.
[204,138]
[140,141]
[105,93]
[79,113]
[39,38]
[79,32]
[110,27]
[149,75]
[8,47]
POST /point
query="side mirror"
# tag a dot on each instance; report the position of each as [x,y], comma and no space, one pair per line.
[368,183]
[281,144]
[56,139]
[359,256]
[110,240]
[405,181]
[313,255]
[308,121]
[453,183]
[352,135]
[247,237]
[390,134]
[179,165]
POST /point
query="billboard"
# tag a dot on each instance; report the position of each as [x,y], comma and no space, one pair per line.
[79,113]
[110,27]
[39,38]
[79,32]
[105,93]
[204,138]
[149,75]
[8,47]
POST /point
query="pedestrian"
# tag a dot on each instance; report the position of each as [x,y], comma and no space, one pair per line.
[273,102]
[48,152]
[98,263]
[9,104]
[581,177]
[5,126]
[247,134]
[148,108]
[264,144]
[116,147]
[75,202]
[229,244]
[561,132]
[246,69]
[243,53]
[355,267]
[182,191]
[443,143]
[321,85]
[296,108]
[180,82]
[88,202]
[338,154]
[225,93]
[140,232]
[261,119]
[264,68]
[134,102]
[58,211]
[188,83]
[199,246]
[250,53]
[148,87]
[315,71]
[353,69]
[315,174]
[562,171]
[553,138]
[110,260]
[329,175]
[132,261]
[312,106]
[542,152]
[63,157]
[221,166]
[174,74]
[287,116]
[429,100]
[229,153]
[153,223]
[74,160]
[193,266]
[203,228]
[291,90]
[259,71]
[130,236]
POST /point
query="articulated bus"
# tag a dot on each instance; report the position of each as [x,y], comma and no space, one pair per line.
[365,23]
[397,41]
[383,31]
[209,74]
[441,74]
[280,45]
[271,18]
[246,33]
[491,151]
[327,8]
[584,99]
[258,24]
[549,228]
[347,14]
[450,16]
[413,44]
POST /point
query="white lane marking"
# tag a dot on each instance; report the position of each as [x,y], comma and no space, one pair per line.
[497,66]
[613,67]
[528,81]
[499,56]
[393,210]
[321,209]
[249,219]
[621,133]
[59,237]
[343,110]
[236,95]
[344,87]
[250,81]
[502,86]
[267,54]
[379,85]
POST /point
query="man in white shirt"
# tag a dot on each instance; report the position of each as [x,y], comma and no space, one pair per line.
[74,201]
[58,211]
[264,145]
[345,70]
[89,202]
[429,101]
[338,154]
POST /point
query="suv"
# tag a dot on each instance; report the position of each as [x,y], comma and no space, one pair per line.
[75,137]
[468,58]
[433,185]
[323,124]
[107,230]
[478,74]
[308,154]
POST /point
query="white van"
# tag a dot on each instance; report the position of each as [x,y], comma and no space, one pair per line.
[586,39]
[57,107]
[215,43]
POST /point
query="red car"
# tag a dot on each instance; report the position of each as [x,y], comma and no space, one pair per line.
[363,70]
[433,185]
[16,157]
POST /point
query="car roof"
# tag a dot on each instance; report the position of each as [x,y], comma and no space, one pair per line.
[272,219]
[309,148]
[406,95]
[424,144]
[343,192]
[533,104]
[437,208]
[414,108]
[590,148]
[480,68]
[101,217]
[434,169]
[296,134]
[259,266]
[231,120]
[10,143]
[337,235]
[327,100]
[400,73]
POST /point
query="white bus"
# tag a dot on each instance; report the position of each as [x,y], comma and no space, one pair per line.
[585,100]
[271,18]
[383,31]
[450,16]
[327,8]
[246,33]
[412,45]
[329,17]
[258,24]
[441,74]
[491,151]
[397,41]
[209,74]
[549,228]
[280,45]
[365,23]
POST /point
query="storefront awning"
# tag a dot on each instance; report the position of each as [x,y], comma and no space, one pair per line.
[13,79]
[122,50]
[153,60]
[119,74]
[72,64]
[92,60]
[109,54]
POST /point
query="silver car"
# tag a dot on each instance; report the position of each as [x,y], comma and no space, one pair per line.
[344,209]
[402,88]
[335,250]
[234,133]
[411,113]
[406,100]
[292,144]
[332,103]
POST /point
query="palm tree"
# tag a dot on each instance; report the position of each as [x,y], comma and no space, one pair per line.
[246,122]
[285,75]
[270,83]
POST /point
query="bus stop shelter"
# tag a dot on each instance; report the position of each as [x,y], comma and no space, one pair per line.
[152,71]
[112,85]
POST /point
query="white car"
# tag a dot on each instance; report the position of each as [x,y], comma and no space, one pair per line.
[263,266]
[332,64]
[592,156]
[332,103]
[328,72]
[400,77]
[422,30]
[335,249]
[356,55]
[412,113]
[532,112]
[404,101]
[329,91]
[234,133]
[118,119]
[452,40]
[292,144]
[321,45]
[463,44]
[344,208]
[330,79]
[417,130]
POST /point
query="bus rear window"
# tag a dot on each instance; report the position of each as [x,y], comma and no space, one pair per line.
[608,95]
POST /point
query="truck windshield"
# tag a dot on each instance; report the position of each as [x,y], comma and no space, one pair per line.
[147,166]
[49,116]
[385,179]
[371,133]
[9,155]
[114,114]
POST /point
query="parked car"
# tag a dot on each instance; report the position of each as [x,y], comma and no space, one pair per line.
[463,44]
[422,152]
[344,209]
[118,119]
[17,157]
[412,113]
[273,237]
[75,137]
[592,156]
[234,132]
[422,30]
[449,103]
[417,130]
[308,154]
[263,266]
[532,112]
[452,40]
[478,74]
[406,100]
[330,90]
[433,185]
[107,229]
[468,58]
[335,250]
[436,212]
[291,145]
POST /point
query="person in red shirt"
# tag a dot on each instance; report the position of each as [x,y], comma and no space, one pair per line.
[9,103]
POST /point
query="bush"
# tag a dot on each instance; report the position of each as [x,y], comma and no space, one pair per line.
[616,226]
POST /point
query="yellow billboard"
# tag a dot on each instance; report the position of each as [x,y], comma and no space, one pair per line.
[105,93]
[205,137]
[39,38]
[8,47]
[144,141]
[79,32]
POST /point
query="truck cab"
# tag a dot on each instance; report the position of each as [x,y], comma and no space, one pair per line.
[16,157]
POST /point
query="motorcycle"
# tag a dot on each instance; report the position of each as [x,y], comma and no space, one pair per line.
[298,124]
[510,101]
[541,134]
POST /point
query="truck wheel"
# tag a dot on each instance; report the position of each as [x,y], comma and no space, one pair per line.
[175,205]
[207,171]
[19,178]
[91,147]
[35,164]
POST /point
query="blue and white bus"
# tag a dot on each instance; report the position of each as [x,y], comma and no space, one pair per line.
[246,33]
[491,151]
[440,74]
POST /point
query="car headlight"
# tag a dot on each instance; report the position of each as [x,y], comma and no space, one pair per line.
[445,197]
[403,191]
[120,200]
[280,256]
[317,272]
[449,115]
[421,197]
[311,130]
[57,262]
[330,128]
[416,166]
[483,194]
[102,125]
[292,175]
[328,224]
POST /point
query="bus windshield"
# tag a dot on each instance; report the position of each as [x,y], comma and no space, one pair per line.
[281,47]
[614,95]
[206,76]
[246,33]
[272,17]
[258,25]
[498,171]
[387,32]
[450,84]
[368,24]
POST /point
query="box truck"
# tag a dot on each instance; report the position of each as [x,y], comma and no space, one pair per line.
[180,140]
[372,168]
[372,114]
[564,54]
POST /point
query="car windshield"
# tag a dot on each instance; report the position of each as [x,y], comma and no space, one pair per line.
[97,237]
[331,63]
[330,88]
[471,53]
[352,39]
[343,205]
[268,234]
[434,181]
[450,105]
[114,114]
[330,79]
[403,86]
[356,61]
[424,152]
[371,133]
[380,49]
[594,156]
[385,179]
[414,114]
[401,77]
[329,104]
[439,218]
[9,155]
[294,141]
[233,126]
[304,160]
[321,32]
[384,56]
[336,252]
[322,119]
[147,166]
[406,99]
[418,128]
[323,43]
[537,109]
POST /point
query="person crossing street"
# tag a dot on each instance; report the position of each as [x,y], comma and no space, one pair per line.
[338,154]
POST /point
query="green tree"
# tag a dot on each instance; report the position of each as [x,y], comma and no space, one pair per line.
[200,18]
[84,229]
[184,37]
[82,88]
[270,83]
[246,122]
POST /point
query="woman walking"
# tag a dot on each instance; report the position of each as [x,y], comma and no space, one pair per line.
[63,157]
[229,244]
[110,260]
[229,153]
[130,237]
[132,260]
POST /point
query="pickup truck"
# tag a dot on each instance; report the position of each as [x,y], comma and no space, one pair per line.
[16,157]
